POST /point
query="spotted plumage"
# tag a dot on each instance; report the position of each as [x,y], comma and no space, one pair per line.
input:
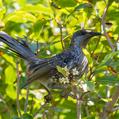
[45,70]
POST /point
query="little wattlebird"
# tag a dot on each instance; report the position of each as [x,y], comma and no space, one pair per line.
[46,69]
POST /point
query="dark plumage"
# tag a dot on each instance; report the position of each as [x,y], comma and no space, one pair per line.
[45,69]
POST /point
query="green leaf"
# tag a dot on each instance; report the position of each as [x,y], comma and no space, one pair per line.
[2,12]
[27,116]
[82,6]
[20,17]
[9,59]
[1,4]
[39,9]
[108,58]
[10,75]
[66,3]
[23,80]
[11,92]
[15,117]
[110,2]
[37,27]
[108,80]
[62,70]
[106,99]
[68,108]
[90,85]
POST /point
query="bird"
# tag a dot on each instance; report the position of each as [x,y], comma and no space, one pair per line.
[46,69]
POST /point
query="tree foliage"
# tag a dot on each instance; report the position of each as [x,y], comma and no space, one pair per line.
[44,24]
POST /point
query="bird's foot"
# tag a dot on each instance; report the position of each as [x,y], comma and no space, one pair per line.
[48,98]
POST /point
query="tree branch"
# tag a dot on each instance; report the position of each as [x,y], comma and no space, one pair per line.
[104,27]
[78,103]
[61,35]
[26,102]
[108,108]
[109,105]
[61,38]
[18,89]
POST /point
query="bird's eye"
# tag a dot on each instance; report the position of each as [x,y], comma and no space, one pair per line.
[82,33]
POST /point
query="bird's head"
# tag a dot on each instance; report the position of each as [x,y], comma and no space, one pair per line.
[81,38]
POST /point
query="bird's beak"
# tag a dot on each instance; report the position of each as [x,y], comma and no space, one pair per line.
[94,33]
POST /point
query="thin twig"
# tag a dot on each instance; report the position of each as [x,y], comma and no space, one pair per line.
[87,111]
[26,102]
[78,109]
[61,35]
[78,104]
[37,47]
[61,38]
[37,43]
[104,27]
[27,94]
[18,88]
[32,104]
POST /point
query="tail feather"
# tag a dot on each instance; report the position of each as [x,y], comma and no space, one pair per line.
[20,48]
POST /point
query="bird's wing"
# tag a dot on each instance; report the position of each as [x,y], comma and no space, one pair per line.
[42,68]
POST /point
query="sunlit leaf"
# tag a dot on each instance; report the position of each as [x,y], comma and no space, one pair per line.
[11,92]
[106,99]
[61,70]
[20,17]
[2,12]
[38,9]
[10,75]
[9,59]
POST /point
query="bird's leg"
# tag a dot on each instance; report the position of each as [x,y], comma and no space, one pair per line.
[48,98]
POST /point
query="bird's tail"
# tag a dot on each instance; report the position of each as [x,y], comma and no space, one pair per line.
[19,47]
